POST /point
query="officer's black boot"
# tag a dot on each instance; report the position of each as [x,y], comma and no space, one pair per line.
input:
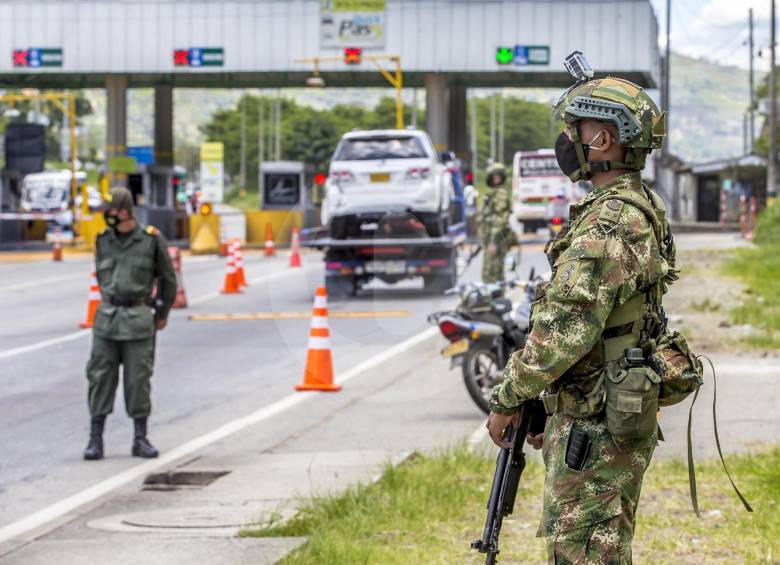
[141,445]
[94,448]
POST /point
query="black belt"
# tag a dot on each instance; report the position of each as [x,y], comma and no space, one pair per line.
[127,301]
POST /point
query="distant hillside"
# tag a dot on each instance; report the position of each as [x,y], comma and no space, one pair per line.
[708,102]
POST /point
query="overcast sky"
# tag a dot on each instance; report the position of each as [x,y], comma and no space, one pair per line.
[717,29]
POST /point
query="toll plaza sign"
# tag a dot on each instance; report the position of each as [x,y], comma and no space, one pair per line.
[199,57]
[38,57]
[212,171]
[522,55]
[352,23]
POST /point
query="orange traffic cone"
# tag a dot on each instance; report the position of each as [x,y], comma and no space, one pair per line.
[56,248]
[93,302]
[181,297]
[295,249]
[319,365]
[223,249]
[231,282]
[239,261]
[269,241]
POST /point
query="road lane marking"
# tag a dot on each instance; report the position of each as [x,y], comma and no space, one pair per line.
[41,344]
[347,314]
[44,282]
[74,502]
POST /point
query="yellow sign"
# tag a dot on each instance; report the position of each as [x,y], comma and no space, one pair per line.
[212,151]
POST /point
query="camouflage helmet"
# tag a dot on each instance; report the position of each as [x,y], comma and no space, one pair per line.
[640,124]
[496,169]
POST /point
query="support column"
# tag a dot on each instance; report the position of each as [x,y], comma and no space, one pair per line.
[163,125]
[458,130]
[116,122]
[436,114]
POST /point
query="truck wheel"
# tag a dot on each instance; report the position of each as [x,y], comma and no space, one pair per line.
[480,373]
[340,287]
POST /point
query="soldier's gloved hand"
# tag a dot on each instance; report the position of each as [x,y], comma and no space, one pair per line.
[492,249]
[161,324]
[535,441]
[497,423]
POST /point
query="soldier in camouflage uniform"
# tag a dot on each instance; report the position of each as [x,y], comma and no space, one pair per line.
[128,259]
[494,231]
[611,267]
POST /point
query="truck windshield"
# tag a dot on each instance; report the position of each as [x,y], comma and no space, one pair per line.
[357,149]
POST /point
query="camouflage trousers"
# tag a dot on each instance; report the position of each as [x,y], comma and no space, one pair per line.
[589,514]
[493,263]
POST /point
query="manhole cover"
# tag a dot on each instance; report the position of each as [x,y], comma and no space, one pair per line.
[172,480]
[186,518]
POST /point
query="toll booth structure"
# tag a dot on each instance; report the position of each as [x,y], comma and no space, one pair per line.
[153,192]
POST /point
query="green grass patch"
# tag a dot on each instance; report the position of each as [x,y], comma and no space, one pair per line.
[430,508]
[705,305]
[250,200]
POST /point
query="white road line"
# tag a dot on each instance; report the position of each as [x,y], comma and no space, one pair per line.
[476,436]
[86,496]
[41,344]
[44,282]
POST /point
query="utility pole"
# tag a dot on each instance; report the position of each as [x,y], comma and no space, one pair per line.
[667,63]
[752,107]
[493,128]
[278,127]
[501,126]
[414,107]
[473,135]
[260,143]
[242,166]
[771,163]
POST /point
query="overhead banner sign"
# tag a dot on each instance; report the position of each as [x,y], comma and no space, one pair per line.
[212,172]
[38,57]
[199,57]
[522,55]
[352,23]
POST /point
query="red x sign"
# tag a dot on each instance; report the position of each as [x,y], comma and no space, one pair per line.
[181,58]
[352,55]
[20,57]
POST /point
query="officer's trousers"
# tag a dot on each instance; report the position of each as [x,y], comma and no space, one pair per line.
[137,359]
[493,263]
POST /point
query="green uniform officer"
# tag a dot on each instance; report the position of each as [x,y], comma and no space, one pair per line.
[495,232]
[128,260]
[594,328]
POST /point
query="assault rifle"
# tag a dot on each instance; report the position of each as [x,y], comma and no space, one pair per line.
[509,468]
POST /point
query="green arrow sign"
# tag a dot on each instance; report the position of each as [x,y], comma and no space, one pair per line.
[504,55]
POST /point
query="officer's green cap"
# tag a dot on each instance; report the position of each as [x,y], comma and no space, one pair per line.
[118,198]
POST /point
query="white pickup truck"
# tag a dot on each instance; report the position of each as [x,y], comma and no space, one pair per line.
[386,213]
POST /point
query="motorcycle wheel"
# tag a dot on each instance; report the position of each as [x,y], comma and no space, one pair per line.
[480,373]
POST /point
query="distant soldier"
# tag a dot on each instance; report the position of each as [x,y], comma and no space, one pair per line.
[595,328]
[128,259]
[494,229]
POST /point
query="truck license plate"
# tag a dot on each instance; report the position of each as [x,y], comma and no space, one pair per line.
[389,267]
[457,348]
[380,177]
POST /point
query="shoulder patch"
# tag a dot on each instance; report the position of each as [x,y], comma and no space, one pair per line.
[610,211]
[151,230]
[102,232]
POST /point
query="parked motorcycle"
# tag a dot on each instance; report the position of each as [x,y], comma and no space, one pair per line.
[483,331]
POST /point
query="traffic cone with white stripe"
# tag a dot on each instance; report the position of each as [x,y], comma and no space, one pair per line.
[295,249]
[319,364]
[56,248]
[239,261]
[231,281]
[93,302]
[270,250]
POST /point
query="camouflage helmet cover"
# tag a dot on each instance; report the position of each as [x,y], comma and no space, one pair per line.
[496,169]
[640,124]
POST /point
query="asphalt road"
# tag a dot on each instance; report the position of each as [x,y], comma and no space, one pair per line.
[206,373]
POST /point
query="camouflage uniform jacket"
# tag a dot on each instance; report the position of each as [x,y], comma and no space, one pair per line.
[127,269]
[494,215]
[606,256]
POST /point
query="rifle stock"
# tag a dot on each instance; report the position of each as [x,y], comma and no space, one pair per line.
[510,464]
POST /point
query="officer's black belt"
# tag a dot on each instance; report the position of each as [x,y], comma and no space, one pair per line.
[127,301]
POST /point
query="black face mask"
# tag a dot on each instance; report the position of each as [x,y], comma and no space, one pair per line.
[111,220]
[568,161]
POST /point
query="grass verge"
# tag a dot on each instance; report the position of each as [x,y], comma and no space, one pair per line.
[430,508]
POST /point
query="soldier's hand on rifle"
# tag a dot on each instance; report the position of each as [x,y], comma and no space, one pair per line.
[497,423]
[161,324]
[536,441]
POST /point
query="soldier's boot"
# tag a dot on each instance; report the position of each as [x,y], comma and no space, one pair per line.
[94,448]
[141,445]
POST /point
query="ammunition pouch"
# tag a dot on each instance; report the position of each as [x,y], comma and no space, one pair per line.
[680,371]
[632,400]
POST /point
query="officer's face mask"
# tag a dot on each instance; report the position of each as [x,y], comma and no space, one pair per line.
[573,163]
[111,219]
